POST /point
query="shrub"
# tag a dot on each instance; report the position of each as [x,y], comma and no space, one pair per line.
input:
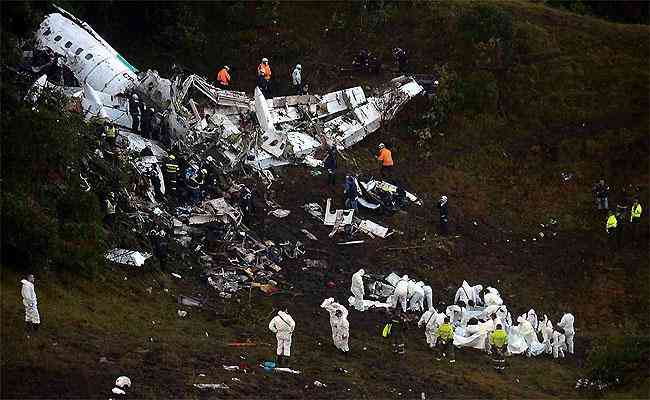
[621,360]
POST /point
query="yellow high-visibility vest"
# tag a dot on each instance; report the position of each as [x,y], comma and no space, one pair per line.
[612,222]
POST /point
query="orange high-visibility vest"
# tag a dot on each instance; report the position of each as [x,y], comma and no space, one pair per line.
[385,157]
[223,77]
[266,70]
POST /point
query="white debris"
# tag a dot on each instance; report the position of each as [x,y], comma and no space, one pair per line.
[280,213]
[211,386]
[182,313]
[127,257]
[118,391]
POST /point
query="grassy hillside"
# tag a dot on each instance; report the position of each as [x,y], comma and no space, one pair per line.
[527,93]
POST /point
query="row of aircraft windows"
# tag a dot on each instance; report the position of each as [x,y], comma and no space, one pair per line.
[68,44]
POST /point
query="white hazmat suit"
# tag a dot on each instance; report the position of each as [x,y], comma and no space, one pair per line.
[526,330]
[283,325]
[340,325]
[566,323]
[532,318]
[431,320]
[401,292]
[428,296]
[416,296]
[492,297]
[559,344]
[29,301]
[546,327]
[357,289]
[466,293]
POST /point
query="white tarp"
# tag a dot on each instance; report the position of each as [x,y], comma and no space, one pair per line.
[127,257]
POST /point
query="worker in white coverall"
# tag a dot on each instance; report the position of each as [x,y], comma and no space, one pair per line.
[283,326]
[559,343]
[566,323]
[357,290]
[466,293]
[339,323]
[32,318]
[492,297]
[431,320]
[428,296]
[401,292]
[416,296]
[546,327]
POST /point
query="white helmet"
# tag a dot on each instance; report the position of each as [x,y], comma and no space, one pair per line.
[298,66]
[381,145]
[227,68]
[135,96]
[443,199]
[265,59]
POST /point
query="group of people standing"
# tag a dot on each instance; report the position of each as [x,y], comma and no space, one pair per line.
[624,219]
[264,75]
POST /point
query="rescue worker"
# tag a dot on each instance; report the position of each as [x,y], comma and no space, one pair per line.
[339,323]
[296,79]
[171,175]
[499,345]
[635,217]
[386,158]
[559,343]
[444,215]
[397,325]
[264,69]
[194,184]
[330,165]
[283,326]
[32,317]
[611,227]
[401,58]
[431,320]
[445,342]
[110,130]
[223,77]
[135,110]
[601,193]
[401,292]
[160,247]
[566,323]
[351,193]
[246,204]
[110,204]
[148,116]
[357,289]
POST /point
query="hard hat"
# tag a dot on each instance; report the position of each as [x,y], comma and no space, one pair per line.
[381,145]
[226,67]
[135,96]
[265,59]
[443,199]
[298,66]
[171,157]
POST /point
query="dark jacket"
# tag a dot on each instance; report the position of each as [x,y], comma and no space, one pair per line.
[330,160]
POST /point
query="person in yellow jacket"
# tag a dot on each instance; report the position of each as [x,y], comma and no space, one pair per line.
[499,344]
[445,341]
[635,216]
[612,227]
[223,77]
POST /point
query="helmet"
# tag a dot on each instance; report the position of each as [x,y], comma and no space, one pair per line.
[298,66]
[265,59]
[135,96]
[443,199]
[381,145]
[171,157]
[227,68]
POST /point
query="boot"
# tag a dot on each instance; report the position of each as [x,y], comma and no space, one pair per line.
[286,361]
[278,361]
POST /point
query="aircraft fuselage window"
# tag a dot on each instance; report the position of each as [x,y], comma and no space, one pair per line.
[88,56]
[57,38]
[47,32]
[79,51]
[68,44]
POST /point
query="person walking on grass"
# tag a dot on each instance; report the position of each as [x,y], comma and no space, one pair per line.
[32,317]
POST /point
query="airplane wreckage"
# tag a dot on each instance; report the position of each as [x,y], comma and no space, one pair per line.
[200,118]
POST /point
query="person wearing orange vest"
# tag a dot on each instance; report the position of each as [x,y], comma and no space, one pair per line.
[223,77]
[264,71]
[386,158]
